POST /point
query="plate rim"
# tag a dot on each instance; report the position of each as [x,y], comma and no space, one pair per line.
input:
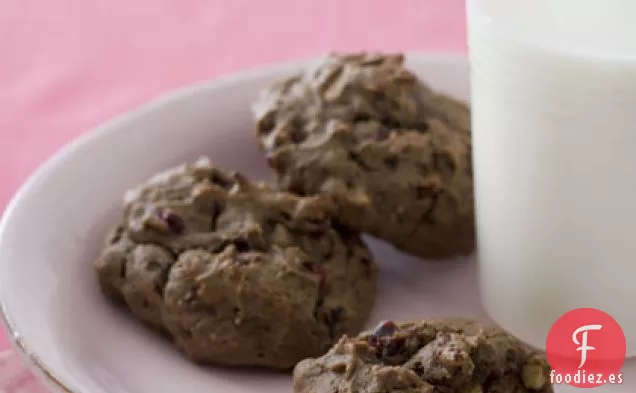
[32,361]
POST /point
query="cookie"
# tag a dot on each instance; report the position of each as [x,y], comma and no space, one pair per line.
[393,153]
[236,273]
[450,355]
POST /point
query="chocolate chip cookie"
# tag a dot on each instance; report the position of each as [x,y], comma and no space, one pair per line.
[451,355]
[394,154]
[236,273]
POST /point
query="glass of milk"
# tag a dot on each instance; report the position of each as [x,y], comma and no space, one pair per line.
[554,138]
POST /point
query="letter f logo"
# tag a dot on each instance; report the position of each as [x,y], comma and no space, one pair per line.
[583,343]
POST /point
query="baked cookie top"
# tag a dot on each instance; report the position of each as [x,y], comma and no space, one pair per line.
[235,272]
[393,153]
[450,355]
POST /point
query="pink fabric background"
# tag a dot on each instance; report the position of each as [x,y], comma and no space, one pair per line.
[68,65]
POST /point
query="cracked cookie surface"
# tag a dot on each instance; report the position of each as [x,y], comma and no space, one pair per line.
[450,355]
[393,153]
[236,273]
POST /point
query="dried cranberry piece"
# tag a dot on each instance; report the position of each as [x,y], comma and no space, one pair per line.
[174,222]
[385,329]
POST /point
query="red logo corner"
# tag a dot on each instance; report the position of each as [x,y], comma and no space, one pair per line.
[586,348]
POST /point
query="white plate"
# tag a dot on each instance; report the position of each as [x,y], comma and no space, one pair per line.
[53,229]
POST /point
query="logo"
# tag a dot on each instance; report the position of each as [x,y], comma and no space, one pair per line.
[586,348]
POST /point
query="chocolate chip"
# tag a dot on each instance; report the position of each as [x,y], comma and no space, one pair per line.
[154,266]
[418,368]
[271,161]
[368,265]
[390,123]
[391,162]
[211,310]
[379,95]
[322,282]
[297,188]
[315,222]
[319,302]
[242,245]
[384,329]
[332,318]
[172,220]
[427,191]
[394,346]
[444,161]
[190,295]
[358,160]
[382,134]
[116,235]
[215,218]
[422,127]
[297,136]
[361,118]
[286,216]
[267,122]
[279,139]
[338,368]
[221,181]
[318,270]
[309,266]
[315,226]
[336,314]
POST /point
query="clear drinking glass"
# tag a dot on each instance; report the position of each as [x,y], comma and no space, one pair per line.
[554,139]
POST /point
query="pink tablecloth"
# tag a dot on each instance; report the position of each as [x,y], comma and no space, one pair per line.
[67,65]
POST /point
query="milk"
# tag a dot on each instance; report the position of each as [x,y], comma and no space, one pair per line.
[554,139]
